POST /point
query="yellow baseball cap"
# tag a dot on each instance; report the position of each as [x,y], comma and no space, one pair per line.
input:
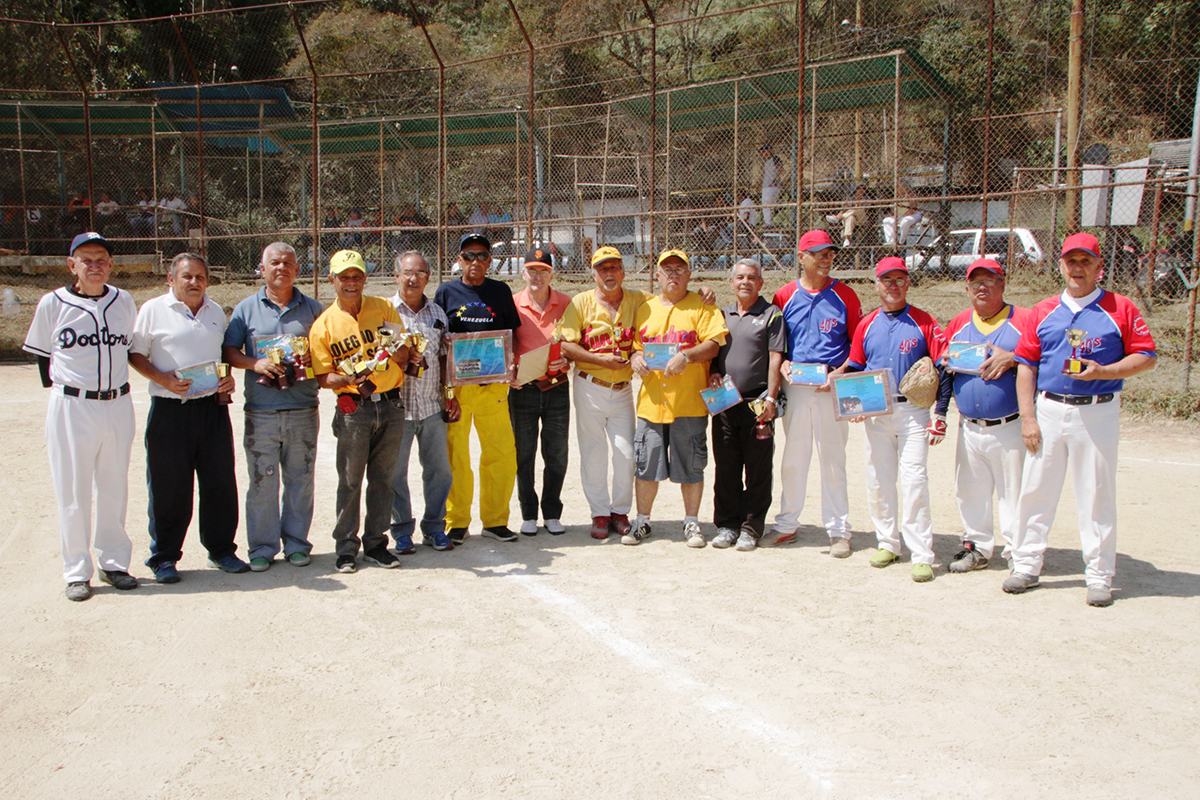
[346,259]
[607,253]
[682,256]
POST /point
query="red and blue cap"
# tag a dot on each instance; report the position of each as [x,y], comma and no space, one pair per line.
[1082,241]
[890,264]
[816,241]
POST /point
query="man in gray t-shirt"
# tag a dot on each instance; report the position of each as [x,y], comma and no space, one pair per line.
[743,439]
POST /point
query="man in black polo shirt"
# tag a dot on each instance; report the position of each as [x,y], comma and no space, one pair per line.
[743,440]
[477,303]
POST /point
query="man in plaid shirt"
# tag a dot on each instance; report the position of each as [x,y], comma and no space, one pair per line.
[424,402]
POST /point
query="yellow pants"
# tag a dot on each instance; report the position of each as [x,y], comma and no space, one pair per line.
[487,406]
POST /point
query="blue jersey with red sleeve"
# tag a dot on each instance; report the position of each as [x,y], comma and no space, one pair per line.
[1112,329]
[819,324]
[882,341]
[975,397]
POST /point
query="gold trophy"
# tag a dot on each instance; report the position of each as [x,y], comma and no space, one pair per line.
[762,430]
[224,398]
[300,348]
[1073,365]
[277,356]
[388,341]
[553,378]
[419,342]
[449,390]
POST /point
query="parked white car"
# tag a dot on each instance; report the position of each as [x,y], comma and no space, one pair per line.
[963,246]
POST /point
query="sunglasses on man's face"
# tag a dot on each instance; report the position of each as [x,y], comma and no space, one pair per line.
[470,256]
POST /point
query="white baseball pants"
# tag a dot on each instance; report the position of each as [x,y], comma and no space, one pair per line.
[897,444]
[1085,439]
[604,419]
[988,460]
[809,419]
[89,443]
[769,195]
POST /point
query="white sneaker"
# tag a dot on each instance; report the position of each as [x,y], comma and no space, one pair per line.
[726,537]
[692,535]
[831,218]
[554,527]
[529,527]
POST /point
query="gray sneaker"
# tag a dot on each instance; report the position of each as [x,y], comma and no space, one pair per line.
[968,559]
[726,537]
[118,579]
[78,591]
[1099,596]
[839,547]
[692,535]
[746,541]
[1018,582]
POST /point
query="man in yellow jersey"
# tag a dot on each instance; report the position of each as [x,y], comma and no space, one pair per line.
[368,424]
[676,335]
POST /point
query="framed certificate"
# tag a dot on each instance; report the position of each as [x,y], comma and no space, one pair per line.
[203,377]
[862,394]
[966,357]
[657,354]
[724,396]
[479,357]
[808,374]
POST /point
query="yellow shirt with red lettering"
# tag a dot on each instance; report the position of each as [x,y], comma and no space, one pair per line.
[687,323]
[336,335]
[590,325]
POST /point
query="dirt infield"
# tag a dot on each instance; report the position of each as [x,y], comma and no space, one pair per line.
[558,667]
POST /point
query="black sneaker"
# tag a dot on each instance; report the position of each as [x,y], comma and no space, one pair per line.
[346,564]
[636,535]
[382,557]
[500,533]
[457,535]
[118,580]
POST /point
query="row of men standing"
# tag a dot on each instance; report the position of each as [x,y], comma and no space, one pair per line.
[813,320]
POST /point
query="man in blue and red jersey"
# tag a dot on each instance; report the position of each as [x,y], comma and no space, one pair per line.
[1072,360]
[820,315]
[990,452]
[894,337]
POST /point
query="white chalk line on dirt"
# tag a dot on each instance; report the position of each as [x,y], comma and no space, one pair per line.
[788,743]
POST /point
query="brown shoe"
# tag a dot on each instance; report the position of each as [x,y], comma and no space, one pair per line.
[600,526]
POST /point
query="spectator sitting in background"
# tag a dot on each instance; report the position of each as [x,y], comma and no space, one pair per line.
[76,216]
[106,215]
[454,216]
[479,218]
[747,211]
[853,215]
[353,238]
[141,222]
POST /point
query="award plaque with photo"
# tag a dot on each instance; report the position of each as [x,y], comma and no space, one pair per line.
[808,374]
[479,357]
[723,397]
[657,354]
[862,394]
[966,357]
[204,379]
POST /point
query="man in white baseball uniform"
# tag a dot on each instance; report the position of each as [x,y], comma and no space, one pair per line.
[990,454]
[81,336]
[770,183]
[820,315]
[1073,358]
[189,440]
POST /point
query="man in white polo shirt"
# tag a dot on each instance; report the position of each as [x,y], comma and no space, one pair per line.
[188,434]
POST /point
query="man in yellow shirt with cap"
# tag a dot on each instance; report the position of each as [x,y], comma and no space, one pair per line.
[369,421]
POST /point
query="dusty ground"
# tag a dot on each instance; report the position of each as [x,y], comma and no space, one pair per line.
[559,667]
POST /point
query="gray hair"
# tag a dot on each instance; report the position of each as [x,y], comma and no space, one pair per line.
[746,262]
[409,254]
[277,247]
[182,257]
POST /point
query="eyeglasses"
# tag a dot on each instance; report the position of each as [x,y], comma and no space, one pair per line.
[473,256]
[990,283]
[412,273]
[894,281]
[674,271]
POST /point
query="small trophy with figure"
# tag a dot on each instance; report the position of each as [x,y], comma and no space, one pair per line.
[762,430]
[300,369]
[388,343]
[553,377]
[1073,365]
[419,342]
[224,398]
[277,356]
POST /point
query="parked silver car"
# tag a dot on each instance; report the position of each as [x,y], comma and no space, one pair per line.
[1027,248]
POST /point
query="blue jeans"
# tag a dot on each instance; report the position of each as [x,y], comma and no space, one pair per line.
[280,444]
[430,434]
[527,407]
[368,442]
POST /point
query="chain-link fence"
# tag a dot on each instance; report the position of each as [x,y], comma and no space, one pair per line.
[939,133]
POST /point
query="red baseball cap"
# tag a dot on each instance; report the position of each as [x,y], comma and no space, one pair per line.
[991,265]
[1082,241]
[890,264]
[816,241]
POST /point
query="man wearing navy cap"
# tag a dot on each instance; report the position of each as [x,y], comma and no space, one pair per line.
[990,453]
[544,401]
[81,336]
[475,302]
[1073,359]
[820,315]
